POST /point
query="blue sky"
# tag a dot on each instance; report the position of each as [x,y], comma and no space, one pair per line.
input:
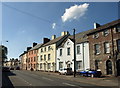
[26,22]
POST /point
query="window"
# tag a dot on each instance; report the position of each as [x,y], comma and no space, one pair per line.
[106,47]
[97,49]
[34,59]
[44,57]
[106,32]
[78,49]
[60,52]
[45,48]
[41,58]
[34,65]
[49,65]
[78,65]
[96,64]
[96,35]
[31,59]
[34,51]
[41,50]
[118,45]
[40,65]
[48,56]
[118,28]
[68,51]
[48,48]
[60,65]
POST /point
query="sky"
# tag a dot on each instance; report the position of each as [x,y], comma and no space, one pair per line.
[26,22]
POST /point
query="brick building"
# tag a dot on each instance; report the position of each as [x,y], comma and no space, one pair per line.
[104,44]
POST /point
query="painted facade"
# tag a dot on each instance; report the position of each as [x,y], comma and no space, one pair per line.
[48,53]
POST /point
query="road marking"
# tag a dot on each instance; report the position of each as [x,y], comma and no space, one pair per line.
[68,84]
[47,78]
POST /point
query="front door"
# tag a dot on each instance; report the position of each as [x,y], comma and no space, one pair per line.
[109,67]
[118,67]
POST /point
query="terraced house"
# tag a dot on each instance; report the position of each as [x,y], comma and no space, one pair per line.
[65,52]
[23,58]
[104,44]
[32,57]
[48,52]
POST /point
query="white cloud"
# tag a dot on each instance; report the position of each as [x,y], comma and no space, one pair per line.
[74,12]
[53,25]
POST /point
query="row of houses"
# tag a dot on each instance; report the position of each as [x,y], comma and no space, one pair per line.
[97,48]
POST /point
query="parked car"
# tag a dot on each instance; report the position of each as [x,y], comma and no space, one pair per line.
[5,69]
[91,73]
[17,68]
[66,71]
[11,68]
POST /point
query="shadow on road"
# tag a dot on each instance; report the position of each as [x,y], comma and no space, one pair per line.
[6,83]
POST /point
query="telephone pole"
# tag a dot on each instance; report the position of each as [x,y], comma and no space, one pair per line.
[74,53]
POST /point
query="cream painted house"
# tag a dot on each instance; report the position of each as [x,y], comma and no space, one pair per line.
[47,54]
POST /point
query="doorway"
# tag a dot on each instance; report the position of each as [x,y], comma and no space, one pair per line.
[118,67]
[109,67]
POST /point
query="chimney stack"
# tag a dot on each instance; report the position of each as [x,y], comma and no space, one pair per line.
[28,48]
[64,33]
[53,37]
[45,40]
[34,44]
[96,25]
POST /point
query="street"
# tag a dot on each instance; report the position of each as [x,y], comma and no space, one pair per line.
[40,79]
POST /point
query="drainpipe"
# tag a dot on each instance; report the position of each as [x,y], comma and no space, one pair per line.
[113,52]
[83,56]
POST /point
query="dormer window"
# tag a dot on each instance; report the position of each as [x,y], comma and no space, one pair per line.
[106,32]
[96,35]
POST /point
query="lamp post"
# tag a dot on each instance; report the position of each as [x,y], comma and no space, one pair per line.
[74,53]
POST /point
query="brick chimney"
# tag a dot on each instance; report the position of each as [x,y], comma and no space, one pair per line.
[45,40]
[53,37]
[96,25]
[28,48]
[34,44]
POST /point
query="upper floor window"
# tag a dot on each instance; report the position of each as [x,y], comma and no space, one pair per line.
[45,49]
[97,49]
[68,43]
[118,28]
[41,57]
[48,48]
[78,49]
[41,50]
[68,51]
[48,56]
[106,32]
[118,45]
[44,57]
[34,51]
[106,47]
[60,52]
[96,35]
[34,59]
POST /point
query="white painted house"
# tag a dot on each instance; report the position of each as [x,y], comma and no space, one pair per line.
[65,53]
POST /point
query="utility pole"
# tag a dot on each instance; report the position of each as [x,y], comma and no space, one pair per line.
[74,53]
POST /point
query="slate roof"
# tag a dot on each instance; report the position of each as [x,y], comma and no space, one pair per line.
[108,25]
[36,47]
[54,40]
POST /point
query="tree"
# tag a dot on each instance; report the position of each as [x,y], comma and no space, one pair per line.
[3,53]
